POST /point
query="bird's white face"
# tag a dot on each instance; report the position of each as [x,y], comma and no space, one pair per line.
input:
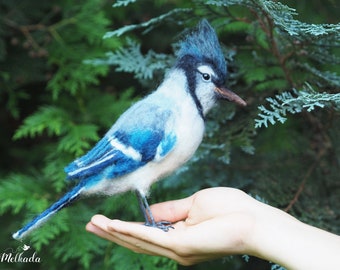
[205,87]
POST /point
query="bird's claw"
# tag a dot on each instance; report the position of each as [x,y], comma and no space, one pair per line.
[163,225]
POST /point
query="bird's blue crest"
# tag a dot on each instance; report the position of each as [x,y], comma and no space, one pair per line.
[202,43]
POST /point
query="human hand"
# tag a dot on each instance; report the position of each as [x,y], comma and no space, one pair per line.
[209,224]
[222,221]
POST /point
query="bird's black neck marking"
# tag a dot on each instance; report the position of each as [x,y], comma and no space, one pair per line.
[186,63]
[191,78]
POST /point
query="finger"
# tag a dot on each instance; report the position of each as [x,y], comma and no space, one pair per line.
[174,244]
[102,226]
[145,244]
[90,227]
[148,234]
[100,220]
[139,246]
[172,211]
[99,226]
[146,241]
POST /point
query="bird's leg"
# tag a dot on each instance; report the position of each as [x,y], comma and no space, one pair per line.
[143,204]
[149,219]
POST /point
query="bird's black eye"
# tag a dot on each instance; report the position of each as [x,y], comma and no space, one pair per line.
[206,77]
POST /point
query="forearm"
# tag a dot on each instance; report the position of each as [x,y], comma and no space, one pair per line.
[280,238]
[203,230]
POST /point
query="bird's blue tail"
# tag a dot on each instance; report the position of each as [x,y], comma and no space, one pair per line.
[54,208]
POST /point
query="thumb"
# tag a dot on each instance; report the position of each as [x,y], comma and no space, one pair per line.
[172,211]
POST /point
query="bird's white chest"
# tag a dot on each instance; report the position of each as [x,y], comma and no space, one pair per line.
[189,133]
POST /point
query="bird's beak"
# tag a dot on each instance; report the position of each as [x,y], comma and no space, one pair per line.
[225,93]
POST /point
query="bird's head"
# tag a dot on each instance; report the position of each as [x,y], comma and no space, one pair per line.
[201,58]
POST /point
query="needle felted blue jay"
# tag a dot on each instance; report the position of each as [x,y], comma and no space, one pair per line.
[157,134]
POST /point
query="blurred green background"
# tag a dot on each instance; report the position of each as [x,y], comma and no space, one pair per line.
[55,105]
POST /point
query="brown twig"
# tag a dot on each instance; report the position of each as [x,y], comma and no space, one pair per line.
[324,146]
[301,186]
[267,25]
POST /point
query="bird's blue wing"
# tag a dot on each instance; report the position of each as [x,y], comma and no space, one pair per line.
[138,137]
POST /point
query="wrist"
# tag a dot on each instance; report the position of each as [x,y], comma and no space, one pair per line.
[278,237]
[272,236]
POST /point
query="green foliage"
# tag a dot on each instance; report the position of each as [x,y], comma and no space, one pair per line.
[287,103]
[14,194]
[49,119]
[125,259]
[78,138]
[277,267]
[82,32]
[149,24]
[60,95]
[130,59]
[120,3]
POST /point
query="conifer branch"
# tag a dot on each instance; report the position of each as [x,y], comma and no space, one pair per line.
[324,144]
[295,102]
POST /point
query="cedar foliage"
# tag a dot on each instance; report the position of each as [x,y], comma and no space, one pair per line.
[63,85]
